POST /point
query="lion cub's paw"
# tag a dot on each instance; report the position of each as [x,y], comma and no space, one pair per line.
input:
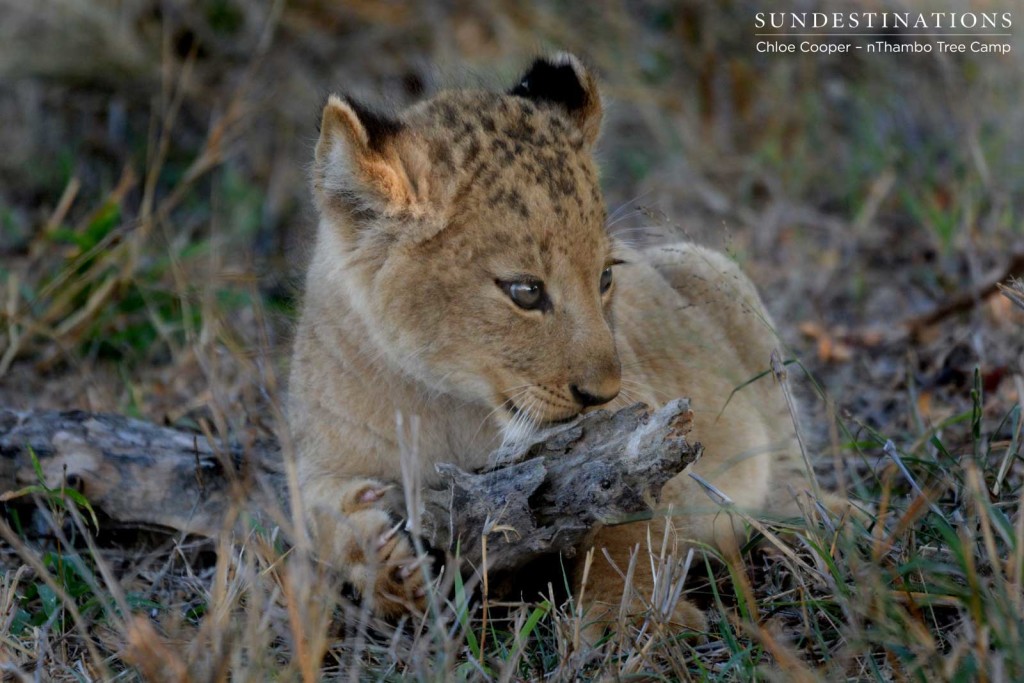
[374,553]
[382,564]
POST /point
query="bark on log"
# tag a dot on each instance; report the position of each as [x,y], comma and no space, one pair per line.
[134,472]
[542,497]
[605,468]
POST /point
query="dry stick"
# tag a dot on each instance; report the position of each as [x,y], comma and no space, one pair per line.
[976,486]
[974,607]
[1015,440]
[588,561]
[913,327]
[967,300]
[14,337]
[169,114]
[890,450]
[716,495]
[781,376]
[13,333]
[296,621]
[630,591]
[63,205]
[877,193]
[485,596]
[1014,292]
[835,446]
[1017,578]
[1018,556]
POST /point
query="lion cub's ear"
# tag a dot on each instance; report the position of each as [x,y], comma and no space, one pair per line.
[563,81]
[367,162]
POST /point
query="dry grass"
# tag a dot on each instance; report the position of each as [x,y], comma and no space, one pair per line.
[153,212]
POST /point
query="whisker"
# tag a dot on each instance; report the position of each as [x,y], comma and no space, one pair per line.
[532,418]
[642,229]
[487,417]
[629,203]
[612,222]
[509,390]
[623,400]
[512,430]
[628,244]
[513,395]
[659,396]
[628,397]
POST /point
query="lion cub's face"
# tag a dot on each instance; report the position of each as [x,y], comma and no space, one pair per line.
[469,235]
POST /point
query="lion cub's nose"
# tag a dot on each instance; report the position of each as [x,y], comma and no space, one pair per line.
[596,395]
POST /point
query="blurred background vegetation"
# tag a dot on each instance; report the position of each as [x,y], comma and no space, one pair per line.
[154,209]
[155,216]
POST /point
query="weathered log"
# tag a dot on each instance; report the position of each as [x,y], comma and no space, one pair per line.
[541,497]
[134,472]
[546,496]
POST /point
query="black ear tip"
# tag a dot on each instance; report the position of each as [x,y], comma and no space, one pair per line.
[553,80]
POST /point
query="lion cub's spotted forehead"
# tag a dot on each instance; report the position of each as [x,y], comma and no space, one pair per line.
[515,166]
[522,165]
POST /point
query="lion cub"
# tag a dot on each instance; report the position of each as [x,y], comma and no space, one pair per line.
[463,273]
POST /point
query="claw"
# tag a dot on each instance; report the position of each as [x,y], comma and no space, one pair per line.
[414,566]
[386,537]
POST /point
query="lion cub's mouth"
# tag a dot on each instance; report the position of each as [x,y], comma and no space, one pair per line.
[514,411]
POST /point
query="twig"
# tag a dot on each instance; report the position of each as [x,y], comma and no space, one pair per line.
[964,301]
[781,376]
[1014,291]
[913,328]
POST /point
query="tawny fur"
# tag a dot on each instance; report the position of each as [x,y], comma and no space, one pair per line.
[403,315]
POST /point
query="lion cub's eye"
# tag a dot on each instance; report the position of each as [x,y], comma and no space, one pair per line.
[606,279]
[527,294]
